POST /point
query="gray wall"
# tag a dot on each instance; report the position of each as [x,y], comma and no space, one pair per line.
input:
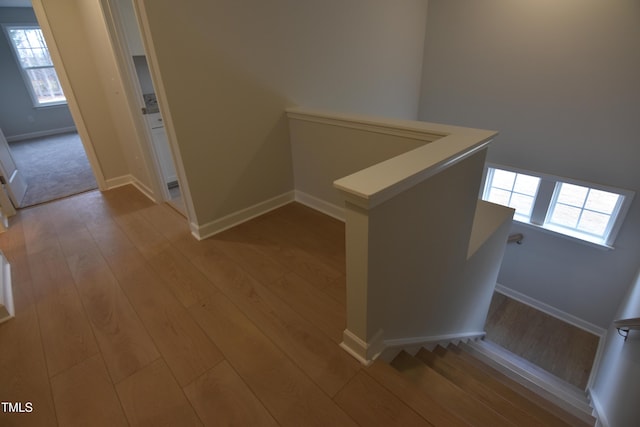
[247,61]
[18,116]
[559,80]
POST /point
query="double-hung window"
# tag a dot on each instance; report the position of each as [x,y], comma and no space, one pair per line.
[35,64]
[589,212]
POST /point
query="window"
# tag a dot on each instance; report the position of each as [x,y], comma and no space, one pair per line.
[512,189]
[35,63]
[588,212]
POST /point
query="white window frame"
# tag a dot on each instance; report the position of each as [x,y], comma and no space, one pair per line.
[23,70]
[546,198]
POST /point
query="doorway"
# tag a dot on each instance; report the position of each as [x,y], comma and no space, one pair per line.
[126,35]
[39,161]
[42,144]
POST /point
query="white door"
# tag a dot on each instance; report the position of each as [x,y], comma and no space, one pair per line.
[14,182]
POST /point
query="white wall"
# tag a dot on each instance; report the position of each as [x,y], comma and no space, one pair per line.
[617,385]
[559,80]
[324,153]
[230,68]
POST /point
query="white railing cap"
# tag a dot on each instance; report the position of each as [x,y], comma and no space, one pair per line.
[444,146]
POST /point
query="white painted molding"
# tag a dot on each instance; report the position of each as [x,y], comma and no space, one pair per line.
[40,134]
[320,205]
[144,190]
[118,181]
[209,229]
[598,409]
[7,310]
[364,352]
[434,339]
[550,310]
[381,125]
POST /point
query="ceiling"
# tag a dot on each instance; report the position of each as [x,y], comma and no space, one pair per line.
[15,3]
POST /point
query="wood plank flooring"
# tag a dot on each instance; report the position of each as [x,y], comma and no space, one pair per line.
[123,318]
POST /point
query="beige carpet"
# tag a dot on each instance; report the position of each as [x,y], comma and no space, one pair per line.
[54,167]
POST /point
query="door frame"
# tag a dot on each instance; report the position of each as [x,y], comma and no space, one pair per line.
[85,138]
[133,94]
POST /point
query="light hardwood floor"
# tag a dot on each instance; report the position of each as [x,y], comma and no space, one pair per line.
[123,318]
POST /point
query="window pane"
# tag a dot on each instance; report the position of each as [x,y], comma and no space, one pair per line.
[46,86]
[526,184]
[37,67]
[503,179]
[500,197]
[593,222]
[522,204]
[601,201]
[566,216]
[573,195]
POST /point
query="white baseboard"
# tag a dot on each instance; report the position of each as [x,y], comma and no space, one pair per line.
[40,134]
[209,229]
[123,180]
[364,352]
[7,310]
[320,205]
[551,311]
[118,181]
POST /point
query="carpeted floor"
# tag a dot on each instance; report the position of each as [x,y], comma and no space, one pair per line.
[54,167]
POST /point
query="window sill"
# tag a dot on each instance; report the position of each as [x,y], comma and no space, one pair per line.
[52,105]
[545,230]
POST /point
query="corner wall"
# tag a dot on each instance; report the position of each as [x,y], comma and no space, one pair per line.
[229,69]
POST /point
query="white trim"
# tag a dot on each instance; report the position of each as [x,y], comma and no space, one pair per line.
[402,128]
[209,229]
[320,205]
[445,145]
[551,311]
[6,291]
[40,134]
[433,339]
[123,180]
[598,409]
[118,181]
[364,352]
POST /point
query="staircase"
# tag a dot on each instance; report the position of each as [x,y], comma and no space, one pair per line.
[463,390]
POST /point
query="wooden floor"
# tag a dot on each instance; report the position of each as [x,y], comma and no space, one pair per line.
[123,318]
[556,346]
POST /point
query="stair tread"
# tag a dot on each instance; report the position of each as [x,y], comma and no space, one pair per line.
[408,392]
[507,404]
[489,373]
[448,394]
